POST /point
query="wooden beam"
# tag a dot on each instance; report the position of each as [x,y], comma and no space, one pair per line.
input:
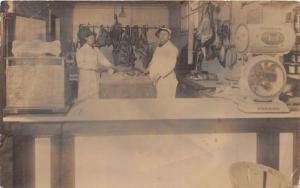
[3,42]
[30,9]
[190,36]
[5,150]
[176,126]
[35,129]
[158,127]
[10,32]
[296,156]
[192,126]
[129,3]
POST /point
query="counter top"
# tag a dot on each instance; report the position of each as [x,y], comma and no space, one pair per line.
[148,109]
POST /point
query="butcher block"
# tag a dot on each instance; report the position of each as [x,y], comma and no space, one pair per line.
[36,85]
[120,85]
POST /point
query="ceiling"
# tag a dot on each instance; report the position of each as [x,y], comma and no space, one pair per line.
[40,9]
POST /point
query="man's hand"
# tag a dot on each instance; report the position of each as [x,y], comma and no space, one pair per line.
[146,71]
[100,68]
[111,70]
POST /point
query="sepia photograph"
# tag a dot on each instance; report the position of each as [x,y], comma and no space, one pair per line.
[149,94]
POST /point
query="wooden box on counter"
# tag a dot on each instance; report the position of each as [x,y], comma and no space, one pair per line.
[36,85]
[128,87]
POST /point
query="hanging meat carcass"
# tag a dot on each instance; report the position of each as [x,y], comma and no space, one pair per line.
[213,37]
[143,36]
[203,37]
[115,35]
[126,34]
[134,35]
[206,29]
[208,41]
[103,37]
[122,49]
[143,48]
[125,54]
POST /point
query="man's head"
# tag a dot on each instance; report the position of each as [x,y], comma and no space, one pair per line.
[87,35]
[163,35]
[90,40]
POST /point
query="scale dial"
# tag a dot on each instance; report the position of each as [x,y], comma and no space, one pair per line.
[263,78]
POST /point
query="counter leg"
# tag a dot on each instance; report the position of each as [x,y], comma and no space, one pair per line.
[268,148]
[6,164]
[296,156]
[23,162]
[55,161]
[62,162]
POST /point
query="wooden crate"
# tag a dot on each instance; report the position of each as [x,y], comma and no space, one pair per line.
[36,85]
[114,86]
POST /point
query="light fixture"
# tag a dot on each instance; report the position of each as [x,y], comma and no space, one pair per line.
[122,13]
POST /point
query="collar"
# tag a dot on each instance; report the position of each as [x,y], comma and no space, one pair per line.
[87,46]
[166,44]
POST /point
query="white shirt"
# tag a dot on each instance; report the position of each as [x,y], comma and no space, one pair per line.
[163,61]
[88,57]
[163,64]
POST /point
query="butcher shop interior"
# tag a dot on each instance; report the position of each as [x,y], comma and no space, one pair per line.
[125,94]
[208,45]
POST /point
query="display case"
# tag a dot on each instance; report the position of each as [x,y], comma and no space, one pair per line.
[36,85]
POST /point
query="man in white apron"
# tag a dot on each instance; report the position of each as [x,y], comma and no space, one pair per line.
[161,67]
[89,59]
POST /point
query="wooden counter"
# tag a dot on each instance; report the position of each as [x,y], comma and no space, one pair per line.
[141,117]
[149,109]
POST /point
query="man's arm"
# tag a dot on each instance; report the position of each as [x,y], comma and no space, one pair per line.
[102,60]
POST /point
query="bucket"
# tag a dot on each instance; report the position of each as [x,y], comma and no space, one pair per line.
[252,175]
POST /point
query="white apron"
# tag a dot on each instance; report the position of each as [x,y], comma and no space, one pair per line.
[87,60]
[163,64]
